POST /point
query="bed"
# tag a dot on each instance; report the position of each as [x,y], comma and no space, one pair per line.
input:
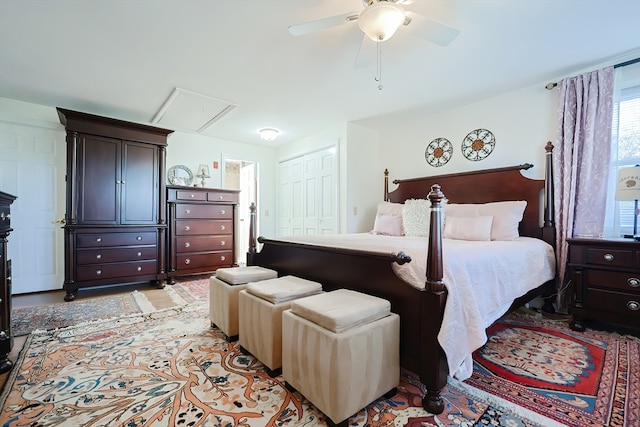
[423,308]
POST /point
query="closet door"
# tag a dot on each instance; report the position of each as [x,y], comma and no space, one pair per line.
[290,206]
[308,194]
[327,193]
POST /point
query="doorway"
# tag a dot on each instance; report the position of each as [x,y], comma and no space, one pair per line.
[241,175]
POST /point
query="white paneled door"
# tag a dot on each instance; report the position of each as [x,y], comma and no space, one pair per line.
[308,194]
[32,168]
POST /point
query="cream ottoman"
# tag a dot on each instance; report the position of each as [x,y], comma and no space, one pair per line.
[260,307]
[224,288]
[341,350]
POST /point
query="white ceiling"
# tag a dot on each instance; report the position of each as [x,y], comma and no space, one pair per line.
[125,58]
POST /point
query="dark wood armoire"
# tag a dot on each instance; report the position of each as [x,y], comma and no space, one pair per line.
[115,221]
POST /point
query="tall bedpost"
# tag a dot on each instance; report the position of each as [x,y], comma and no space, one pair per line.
[434,258]
[252,234]
[433,356]
[549,226]
[386,185]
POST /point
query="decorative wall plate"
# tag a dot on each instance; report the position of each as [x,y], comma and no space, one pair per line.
[478,144]
[179,175]
[438,152]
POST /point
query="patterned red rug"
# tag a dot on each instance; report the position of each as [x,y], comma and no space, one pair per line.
[577,378]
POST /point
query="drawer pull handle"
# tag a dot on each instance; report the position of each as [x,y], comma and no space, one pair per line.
[187,244]
[222,212]
[187,228]
[187,211]
[99,239]
[187,261]
[139,253]
[221,197]
[222,258]
[98,256]
[98,272]
[139,268]
[222,243]
[608,257]
[633,305]
[222,227]
[192,195]
[138,238]
[634,282]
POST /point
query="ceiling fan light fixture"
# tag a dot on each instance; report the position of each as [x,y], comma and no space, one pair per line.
[268,134]
[381,20]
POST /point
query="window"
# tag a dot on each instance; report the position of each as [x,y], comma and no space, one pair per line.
[625,146]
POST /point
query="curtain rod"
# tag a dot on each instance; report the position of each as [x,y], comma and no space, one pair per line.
[550,86]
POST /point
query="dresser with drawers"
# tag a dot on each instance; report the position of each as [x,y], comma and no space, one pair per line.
[605,274]
[6,337]
[201,235]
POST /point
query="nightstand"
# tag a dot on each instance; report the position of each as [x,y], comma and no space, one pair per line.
[606,280]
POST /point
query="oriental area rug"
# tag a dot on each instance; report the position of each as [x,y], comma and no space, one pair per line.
[170,368]
[24,320]
[576,378]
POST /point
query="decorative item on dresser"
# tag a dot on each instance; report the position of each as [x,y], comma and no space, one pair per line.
[6,338]
[201,230]
[606,278]
[115,220]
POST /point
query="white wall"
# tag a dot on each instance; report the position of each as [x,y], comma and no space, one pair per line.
[522,122]
[364,180]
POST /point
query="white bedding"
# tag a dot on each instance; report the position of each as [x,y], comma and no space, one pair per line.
[482,278]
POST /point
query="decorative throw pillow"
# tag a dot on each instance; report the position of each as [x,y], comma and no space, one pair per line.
[388,225]
[468,228]
[506,216]
[389,208]
[416,217]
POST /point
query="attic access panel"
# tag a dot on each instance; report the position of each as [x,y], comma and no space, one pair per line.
[191,111]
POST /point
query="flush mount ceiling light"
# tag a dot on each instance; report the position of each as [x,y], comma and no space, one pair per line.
[268,134]
[381,20]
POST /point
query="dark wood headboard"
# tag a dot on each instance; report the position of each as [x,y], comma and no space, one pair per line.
[488,185]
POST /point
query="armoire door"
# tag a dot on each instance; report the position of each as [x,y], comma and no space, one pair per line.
[139,184]
[98,180]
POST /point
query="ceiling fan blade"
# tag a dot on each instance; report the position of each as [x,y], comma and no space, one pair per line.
[429,29]
[366,53]
[322,24]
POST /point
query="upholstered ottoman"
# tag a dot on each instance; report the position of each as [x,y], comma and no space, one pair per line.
[341,350]
[260,307]
[224,288]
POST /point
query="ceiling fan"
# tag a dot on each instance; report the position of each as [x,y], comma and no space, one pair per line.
[379,21]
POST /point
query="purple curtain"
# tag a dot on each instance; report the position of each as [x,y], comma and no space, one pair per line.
[581,163]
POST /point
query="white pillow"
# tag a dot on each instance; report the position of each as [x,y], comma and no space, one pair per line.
[506,216]
[388,225]
[416,217]
[389,208]
[468,228]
